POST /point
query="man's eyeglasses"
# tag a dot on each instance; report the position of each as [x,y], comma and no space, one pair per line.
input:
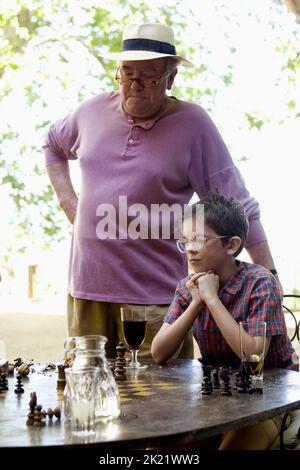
[145,82]
[195,245]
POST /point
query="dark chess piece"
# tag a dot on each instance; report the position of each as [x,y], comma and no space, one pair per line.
[225,377]
[19,387]
[256,390]
[120,363]
[17,362]
[216,381]
[206,384]
[3,382]
[243,380]
[61,379]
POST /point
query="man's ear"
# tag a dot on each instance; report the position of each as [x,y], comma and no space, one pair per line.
[171,78]
[233,245]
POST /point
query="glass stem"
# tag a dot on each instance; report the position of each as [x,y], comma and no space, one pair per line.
[134,356]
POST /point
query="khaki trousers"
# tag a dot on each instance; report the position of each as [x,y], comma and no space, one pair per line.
[90,317]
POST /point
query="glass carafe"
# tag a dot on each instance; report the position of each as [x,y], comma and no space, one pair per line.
[90,351]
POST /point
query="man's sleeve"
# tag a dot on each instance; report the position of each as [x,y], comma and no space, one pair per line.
[212,169]
[61,141]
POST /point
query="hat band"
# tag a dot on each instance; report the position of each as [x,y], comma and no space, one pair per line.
[148,45]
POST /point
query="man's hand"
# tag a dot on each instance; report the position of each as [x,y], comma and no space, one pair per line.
[208,286]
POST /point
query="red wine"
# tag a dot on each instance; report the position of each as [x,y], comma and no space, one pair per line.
[134,332]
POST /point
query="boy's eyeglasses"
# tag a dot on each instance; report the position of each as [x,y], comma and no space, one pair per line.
[196,245]
[145,82]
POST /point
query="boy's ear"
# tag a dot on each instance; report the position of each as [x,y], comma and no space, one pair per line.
[233,245]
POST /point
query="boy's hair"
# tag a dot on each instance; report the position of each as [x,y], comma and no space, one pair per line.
[225,216]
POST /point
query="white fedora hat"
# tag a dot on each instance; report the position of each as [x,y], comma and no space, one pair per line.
[147,41]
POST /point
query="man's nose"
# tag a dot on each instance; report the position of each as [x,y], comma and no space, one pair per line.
[136,84]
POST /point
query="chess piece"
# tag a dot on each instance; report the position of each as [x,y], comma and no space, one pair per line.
[120,364]
[112,366]
[206,384]
[11,369]
[57,413]
[17,362]
[23,369]
[256,390]
[32,405]
[32,401]
[38,418]
[61,380]
[19,387]
[4,366]
[216,381]
[225,377]
[50,413]
[3,382]
[243,380]
[30,418]
[206,388]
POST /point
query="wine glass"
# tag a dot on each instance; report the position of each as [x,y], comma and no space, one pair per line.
[253,352]
[134,323]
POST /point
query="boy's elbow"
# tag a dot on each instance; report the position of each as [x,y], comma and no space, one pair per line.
[158,346]
[156,355]
[157,358]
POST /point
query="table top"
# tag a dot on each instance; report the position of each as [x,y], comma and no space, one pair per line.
[159,405]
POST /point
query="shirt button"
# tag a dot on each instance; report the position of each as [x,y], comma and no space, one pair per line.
[131,141]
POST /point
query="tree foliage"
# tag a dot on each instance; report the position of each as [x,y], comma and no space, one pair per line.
[51,59]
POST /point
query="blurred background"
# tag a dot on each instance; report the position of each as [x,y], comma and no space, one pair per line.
[246,75]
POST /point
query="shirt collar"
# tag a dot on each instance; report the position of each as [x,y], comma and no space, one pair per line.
[234,283]
[144,124]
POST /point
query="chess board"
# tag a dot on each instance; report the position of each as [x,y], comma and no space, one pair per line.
[131,389]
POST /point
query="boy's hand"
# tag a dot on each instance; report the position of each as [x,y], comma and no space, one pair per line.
[208,285]
[193,288]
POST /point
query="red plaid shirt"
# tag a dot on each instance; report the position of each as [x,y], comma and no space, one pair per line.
[251,294]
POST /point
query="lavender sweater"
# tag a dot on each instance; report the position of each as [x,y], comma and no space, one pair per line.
[164,160]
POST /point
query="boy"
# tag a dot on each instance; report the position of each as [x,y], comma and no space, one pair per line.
[222,292]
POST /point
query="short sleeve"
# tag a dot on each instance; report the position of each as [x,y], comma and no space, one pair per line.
[61,141]
[265,304]
[180,302]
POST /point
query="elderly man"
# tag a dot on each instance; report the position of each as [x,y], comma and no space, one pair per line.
[138,149]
